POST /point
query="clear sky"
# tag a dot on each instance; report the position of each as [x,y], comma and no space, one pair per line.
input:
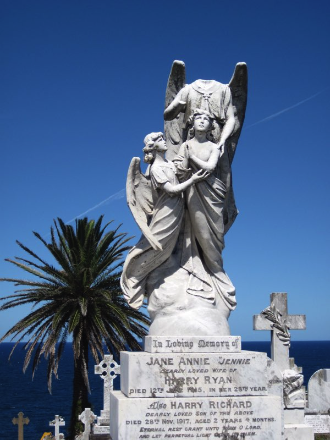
[82,82]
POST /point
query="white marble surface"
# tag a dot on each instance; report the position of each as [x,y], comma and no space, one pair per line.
[202,374]
[147,418]
[319,422]
[319,391]
[298,432]
[192,344]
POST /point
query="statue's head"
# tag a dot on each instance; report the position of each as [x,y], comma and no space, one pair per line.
[153,142]
[200,120]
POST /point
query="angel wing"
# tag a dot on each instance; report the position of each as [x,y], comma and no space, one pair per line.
[139,200]
[238,88]
[173,129]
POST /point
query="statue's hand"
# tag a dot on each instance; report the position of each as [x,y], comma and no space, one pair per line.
[200,175]
[221,147]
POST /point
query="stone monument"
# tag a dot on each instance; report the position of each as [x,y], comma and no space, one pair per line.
[87,418]
[193,380]
[57,423]
[108,369]
[277,319]
[21,421]
[317,414]
[184,207]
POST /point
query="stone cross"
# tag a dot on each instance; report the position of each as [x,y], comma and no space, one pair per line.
[276,319]
[87,417]
[108,369]
[59,421]
[20,421]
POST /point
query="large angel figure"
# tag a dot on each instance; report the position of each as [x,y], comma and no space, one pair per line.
[185,207]
[226,104]
[165,211]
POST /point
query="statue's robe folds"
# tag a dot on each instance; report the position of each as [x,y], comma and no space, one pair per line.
[200,249]
[204,238]
[165,225]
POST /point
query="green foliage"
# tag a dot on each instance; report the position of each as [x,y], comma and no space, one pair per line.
[81,297]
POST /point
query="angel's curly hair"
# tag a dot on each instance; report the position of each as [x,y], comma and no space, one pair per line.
[190,122]
[149,142]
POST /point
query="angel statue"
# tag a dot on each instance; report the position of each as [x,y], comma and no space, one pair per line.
[160,232]
[184,207]
[226,103]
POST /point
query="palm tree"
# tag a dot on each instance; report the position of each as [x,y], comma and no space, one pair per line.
[81,298]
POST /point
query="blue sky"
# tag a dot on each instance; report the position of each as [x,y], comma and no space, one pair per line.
[83,82]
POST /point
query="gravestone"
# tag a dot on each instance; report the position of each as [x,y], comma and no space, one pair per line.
[317,414]
[57,423]
[181,389]
[21,421]
[108,369]
[319,391]
[87,417]
[276,319]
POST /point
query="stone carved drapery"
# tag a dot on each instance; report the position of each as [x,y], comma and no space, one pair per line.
[177,263]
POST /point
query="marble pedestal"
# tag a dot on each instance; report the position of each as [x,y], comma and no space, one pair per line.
[197,387]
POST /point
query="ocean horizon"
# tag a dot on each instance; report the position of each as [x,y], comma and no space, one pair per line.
[20,393]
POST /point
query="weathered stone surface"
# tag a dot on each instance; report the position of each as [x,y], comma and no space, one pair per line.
[56,423]
[319,391]
[275,381]
[298,432]
[294,416]
[145,418]
[87,417]
[277,319]
[20,421]
[182,374]
[192,344]
[319,422]
[102,429]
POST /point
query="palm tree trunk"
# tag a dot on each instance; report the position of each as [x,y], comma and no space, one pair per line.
[80,393]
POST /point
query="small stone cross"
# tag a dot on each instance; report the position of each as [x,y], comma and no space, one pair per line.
[20,421]
[59,421]
[87,417]
[108,369]
[276,319]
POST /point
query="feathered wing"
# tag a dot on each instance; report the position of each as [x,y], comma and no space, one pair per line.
[173,129]
[139,200]
[238,87]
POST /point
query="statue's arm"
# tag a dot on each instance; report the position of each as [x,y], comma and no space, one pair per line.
[177,105]
[229,124]
[173,190]
[182,156]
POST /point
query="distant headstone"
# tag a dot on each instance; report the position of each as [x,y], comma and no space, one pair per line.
[87,417]
[108,369]
[56,423]
[20,421]
[276,319]
[319,391]
[319,422]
